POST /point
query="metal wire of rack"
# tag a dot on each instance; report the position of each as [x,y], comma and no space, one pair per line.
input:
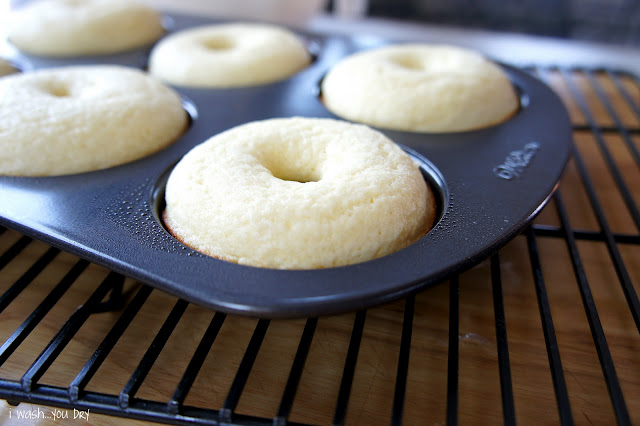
[546,330]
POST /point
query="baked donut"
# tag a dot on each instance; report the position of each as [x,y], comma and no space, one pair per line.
[228,55]
[70,28]
[298,193]
[76,119]
[420,88]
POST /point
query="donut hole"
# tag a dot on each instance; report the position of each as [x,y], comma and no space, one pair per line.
[408,61]
[218,43]
[74,3]
[57,89]
[290,170]
[294,175]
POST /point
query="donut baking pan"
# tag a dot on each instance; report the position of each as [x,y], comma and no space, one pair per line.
[490,183]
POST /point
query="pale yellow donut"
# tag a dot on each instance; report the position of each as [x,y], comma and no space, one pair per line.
[420,88]
[298,193]
[68,28]
[76,119]
[228,55]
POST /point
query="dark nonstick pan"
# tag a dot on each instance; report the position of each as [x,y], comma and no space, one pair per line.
[490,184]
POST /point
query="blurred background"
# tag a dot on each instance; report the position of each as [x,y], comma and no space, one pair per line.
[608,21]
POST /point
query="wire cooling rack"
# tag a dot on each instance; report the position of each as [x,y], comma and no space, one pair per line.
[545,331]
